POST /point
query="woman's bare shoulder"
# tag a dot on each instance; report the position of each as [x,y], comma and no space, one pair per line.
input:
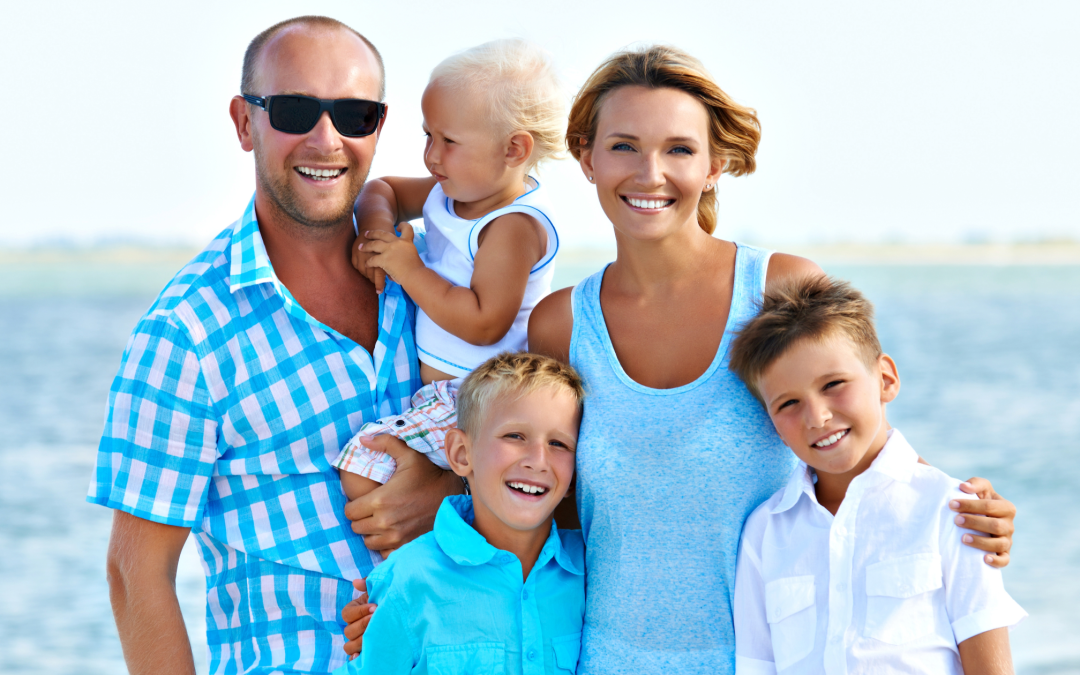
[785,267]
[551,325]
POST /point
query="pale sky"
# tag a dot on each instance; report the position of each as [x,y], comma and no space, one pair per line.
[916,121]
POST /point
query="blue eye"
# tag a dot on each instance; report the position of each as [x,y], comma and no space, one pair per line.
[682,150]
[621,146]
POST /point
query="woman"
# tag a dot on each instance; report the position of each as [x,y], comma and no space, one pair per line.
[674,452]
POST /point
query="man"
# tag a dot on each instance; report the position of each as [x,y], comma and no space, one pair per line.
[247,375]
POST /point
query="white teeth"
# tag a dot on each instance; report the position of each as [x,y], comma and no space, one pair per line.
[831,439]
[528,489]
[320,174]
[648,203]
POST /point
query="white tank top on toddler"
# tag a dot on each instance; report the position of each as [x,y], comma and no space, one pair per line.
[451,243]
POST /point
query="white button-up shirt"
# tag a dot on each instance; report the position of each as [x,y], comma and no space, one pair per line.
[885,585]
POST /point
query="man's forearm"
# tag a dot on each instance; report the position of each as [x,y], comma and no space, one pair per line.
[141,568]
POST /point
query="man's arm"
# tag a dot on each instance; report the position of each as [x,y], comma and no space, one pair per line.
[141,568]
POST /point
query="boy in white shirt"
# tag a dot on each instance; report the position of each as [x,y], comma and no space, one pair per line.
[854,566]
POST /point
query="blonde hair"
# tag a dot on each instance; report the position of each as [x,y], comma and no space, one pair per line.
[734,130]
[517,83]
[811,308]
[506,375]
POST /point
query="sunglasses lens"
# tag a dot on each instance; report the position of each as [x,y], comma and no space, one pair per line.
[355,117]
[294,114]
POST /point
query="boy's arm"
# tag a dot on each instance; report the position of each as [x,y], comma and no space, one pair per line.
[382,204]
[483,313]
[987,653]
[753,641]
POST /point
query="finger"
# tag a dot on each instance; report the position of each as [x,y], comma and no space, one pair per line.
[997,527]
[374,248]
[995,508]
[406,231]
[988,544]
[359,509]
[979,486]
[998,560]
[395,447]
[379,235]
[360,585]
[356,627]
[379,280]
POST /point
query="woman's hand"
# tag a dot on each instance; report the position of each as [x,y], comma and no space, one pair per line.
[990,514]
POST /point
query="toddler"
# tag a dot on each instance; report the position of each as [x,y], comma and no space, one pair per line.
[854,566]
[491,114]
[495,587]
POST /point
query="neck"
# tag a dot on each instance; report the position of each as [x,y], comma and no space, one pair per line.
[504,196]
[662,266]
[525,544]
[831,488]
[291,244]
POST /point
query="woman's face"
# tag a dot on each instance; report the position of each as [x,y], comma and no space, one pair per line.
[650,160]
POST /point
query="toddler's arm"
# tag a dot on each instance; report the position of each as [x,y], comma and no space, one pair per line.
[483,313]
[381,205]
[987,653]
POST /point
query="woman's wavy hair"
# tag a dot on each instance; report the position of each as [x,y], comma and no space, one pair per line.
[734,130]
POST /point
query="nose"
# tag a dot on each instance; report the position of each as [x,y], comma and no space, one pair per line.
[324,138]
[536,456]
[431,154]
[817,414]
[650,171]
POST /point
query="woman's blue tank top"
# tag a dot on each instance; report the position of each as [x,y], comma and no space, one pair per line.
[665,480]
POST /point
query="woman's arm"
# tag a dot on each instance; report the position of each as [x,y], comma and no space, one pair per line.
[987,653]
[483,313]
[381,205]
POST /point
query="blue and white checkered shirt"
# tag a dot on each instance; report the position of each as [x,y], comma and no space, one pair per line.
[230,404]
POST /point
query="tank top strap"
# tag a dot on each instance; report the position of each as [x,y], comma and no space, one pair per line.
[532,204]
[751,269]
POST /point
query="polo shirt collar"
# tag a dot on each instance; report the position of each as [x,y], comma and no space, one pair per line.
[464,545]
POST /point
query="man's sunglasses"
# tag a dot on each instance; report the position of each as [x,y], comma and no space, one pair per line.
[352,117]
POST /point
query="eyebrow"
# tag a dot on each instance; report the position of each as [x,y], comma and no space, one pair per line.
[670,139]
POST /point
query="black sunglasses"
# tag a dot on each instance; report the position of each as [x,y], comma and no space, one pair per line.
[292,114]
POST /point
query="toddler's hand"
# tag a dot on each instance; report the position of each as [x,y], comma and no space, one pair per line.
[360,259]
[396,256]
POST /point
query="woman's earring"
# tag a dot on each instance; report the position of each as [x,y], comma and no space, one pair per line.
[591,179]
[708,187]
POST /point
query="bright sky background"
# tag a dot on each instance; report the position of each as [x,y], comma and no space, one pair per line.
[915,121]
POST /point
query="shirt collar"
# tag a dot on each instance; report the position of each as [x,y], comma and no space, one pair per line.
[250,263]
[465,546]
[896,460]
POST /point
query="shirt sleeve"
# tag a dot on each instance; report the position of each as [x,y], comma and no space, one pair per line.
[159,445]
[975,596]
[388,645]
[753,640]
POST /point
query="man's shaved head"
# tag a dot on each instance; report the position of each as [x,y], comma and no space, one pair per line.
[249,77]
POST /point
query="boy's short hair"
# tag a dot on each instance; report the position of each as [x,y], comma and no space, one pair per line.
[812,308]
[507,375]
[517,83]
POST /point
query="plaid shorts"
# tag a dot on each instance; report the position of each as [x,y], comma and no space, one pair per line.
[423,428]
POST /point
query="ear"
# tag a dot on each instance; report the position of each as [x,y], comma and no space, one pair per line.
[587,163]
[386,113]
[457,453]
[890,378]
[716,167]
[519,148]
[240,114]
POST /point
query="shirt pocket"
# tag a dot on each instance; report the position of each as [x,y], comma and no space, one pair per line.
[792,616]
[477,658]
[900,598]
[567,649]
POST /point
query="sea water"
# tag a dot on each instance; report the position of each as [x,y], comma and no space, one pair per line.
[988,357]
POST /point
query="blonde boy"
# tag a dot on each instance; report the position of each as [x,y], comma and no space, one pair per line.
[854,566]
[495,587]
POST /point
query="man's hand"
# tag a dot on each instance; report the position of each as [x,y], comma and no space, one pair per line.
[404,508]
[357,616]
[397,256]
[990,514]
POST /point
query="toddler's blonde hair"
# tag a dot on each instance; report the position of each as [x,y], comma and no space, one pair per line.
[516,81]
[509,375]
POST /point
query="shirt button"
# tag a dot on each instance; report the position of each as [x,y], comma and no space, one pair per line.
[399,423]
[531,655]
[841,587]
[524,595]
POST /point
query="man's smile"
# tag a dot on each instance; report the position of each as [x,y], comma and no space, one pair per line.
[320,175]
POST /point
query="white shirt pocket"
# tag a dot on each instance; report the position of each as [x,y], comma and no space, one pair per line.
[900,598]
[789,608]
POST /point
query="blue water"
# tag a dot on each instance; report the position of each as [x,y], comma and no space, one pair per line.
[987,356]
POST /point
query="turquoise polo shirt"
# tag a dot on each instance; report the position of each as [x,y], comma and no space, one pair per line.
[450,602]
